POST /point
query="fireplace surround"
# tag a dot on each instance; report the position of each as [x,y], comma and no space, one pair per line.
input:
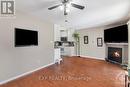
[117,53]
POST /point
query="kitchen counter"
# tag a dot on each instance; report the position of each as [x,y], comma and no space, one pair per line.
[66,48]
[62,46]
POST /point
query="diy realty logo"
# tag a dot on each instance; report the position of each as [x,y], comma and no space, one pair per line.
[7,8]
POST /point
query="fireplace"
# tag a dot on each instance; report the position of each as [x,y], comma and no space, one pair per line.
[115,55]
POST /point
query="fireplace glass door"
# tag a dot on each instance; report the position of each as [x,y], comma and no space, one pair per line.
[115,54]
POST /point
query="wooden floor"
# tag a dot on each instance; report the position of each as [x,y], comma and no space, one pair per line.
[74,72]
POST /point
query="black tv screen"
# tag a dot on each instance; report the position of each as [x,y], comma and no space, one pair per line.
[116,35]
[25,37]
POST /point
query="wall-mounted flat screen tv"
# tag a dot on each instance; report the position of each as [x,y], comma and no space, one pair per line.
[25,37]
[116,35]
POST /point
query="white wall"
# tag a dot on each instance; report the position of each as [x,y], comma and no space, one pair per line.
[91,50]
[15,61]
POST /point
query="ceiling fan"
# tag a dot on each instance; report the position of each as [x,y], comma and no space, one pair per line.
[65,3]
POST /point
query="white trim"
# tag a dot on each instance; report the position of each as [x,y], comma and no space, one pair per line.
[24,74]
[117,44]
[92,57]
[128,22]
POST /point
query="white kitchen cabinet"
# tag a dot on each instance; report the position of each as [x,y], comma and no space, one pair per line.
[63,33]
[60,31]
[68,51]
[70,33]
[56,32]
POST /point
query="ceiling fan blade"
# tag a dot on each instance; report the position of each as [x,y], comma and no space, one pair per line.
[54,7]
[78,6]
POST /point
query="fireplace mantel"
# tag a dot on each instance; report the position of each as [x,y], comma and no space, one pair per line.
[124,47]
[125,44]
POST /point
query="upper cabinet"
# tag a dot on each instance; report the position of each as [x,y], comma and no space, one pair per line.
[60,31]
[63,33]
[56,32]
[70,33]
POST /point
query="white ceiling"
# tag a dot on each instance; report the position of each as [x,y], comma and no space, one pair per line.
[96,12]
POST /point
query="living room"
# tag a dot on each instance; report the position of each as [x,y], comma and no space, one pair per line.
[59,48]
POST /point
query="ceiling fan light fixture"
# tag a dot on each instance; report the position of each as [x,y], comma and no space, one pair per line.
[68,5]
[67,10]
[61,7]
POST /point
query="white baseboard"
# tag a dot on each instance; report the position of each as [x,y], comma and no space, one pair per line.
[92,57]
[24,74]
